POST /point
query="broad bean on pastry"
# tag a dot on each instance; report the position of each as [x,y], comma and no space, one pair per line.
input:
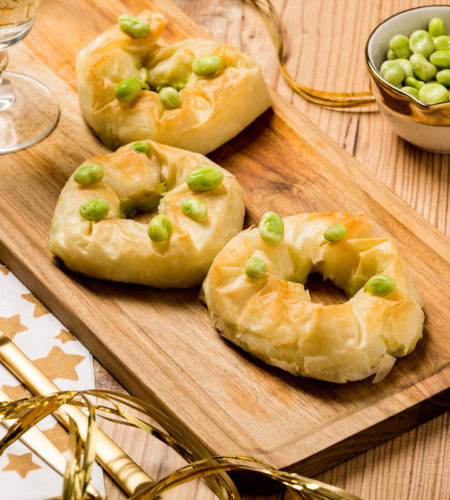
[256,297]
[195,94]
[200,207]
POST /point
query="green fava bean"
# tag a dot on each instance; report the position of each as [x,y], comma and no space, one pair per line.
[143,75]
[89,173]
[193,208]
[335,233]
[442,42]
[390,55]
[441,59]
[436,27]
[400,45]
[380,285]
[206,66]
[134,26]
[407,67]
[271,228]
[127,90]
[443,77]
[179,85]
[411,91]
[94,209]
[204,178]
[388,65]
[432,93]
[420,42]
[255,268]
[413,82]
[170,97]
[395,75]
[422,68]
[141,147]
[160,228]
[393,72]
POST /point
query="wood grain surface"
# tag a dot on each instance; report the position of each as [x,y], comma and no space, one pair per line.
[224,400]
[421,179]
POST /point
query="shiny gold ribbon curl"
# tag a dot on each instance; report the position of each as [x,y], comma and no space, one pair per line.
[28,412]
[276,30]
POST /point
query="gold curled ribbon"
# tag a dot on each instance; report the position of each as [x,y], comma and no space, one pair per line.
[28,412]
[304,487]
[276,30]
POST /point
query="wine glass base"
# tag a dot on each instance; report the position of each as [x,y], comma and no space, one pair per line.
[28,112]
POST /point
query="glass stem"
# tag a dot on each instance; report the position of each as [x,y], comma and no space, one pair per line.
[3,63]
[6,91]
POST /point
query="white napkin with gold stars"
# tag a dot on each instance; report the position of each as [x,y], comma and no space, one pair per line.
[23,475]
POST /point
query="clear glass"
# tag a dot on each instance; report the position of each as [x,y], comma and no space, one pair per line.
[28,112]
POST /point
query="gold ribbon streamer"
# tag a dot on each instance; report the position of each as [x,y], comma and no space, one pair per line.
[202,468]
[275,28]
[29,412]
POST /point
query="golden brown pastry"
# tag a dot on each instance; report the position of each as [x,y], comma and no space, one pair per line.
[255,295]
[200,207]
[214,89]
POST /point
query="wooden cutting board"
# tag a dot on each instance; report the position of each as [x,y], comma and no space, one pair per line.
[160,344]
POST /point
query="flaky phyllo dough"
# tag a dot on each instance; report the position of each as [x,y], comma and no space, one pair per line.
[273,317]
[118,246]
[213,110]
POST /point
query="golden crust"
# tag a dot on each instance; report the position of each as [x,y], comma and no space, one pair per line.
[119,249]
[274,319]
[213,109]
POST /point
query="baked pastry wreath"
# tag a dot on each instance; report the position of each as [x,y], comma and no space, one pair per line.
[255,295]
[194,94]
[200,205]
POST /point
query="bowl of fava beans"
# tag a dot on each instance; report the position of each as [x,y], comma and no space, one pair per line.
[408,56]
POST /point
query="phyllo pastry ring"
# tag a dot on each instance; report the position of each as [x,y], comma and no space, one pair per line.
[256,296]
[148,213]
[195,94]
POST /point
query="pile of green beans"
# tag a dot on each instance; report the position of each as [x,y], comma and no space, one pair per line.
[420,64]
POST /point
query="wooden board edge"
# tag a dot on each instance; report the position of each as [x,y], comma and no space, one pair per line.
[397,424]
[166,6]
[362,421]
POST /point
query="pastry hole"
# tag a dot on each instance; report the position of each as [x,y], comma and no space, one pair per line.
[142,206]
[144,218]
[324,292]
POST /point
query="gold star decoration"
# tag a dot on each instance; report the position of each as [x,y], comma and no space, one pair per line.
[15,391]
[39,309]
[22,464]
[58,436]
[58,364]
[12,326]
[65,336]
[4,269]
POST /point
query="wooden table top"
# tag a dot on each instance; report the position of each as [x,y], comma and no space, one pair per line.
[326,44]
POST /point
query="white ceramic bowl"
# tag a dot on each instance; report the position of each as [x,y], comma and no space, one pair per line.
[424,125]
